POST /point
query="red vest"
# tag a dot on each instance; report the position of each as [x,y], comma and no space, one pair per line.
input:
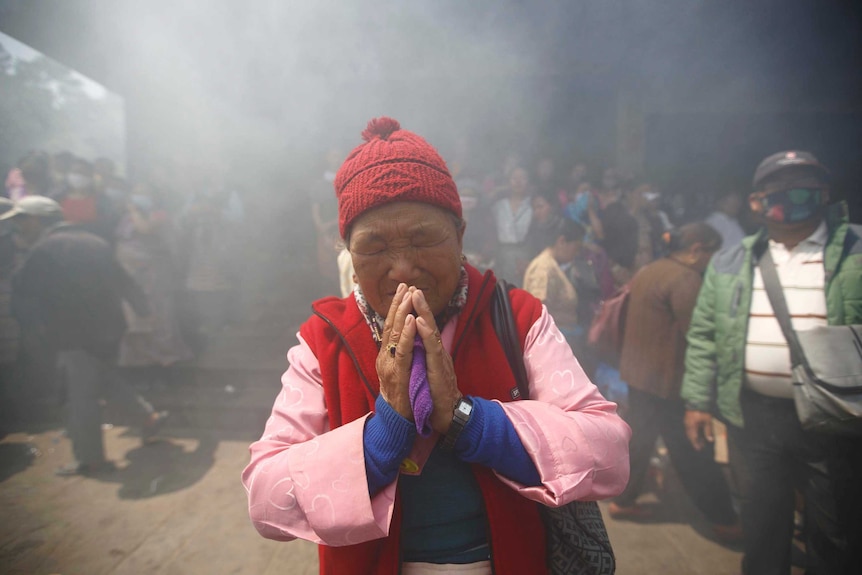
[341,340]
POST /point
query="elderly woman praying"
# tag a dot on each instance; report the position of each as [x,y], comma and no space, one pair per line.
[396,442]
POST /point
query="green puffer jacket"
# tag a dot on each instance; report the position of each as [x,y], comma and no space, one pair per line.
[715,358]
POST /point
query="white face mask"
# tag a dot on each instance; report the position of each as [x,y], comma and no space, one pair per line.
[78,181]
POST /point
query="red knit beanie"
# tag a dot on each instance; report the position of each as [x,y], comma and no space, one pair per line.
[392,165]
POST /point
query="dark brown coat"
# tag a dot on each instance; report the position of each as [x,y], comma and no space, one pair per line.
[663,296]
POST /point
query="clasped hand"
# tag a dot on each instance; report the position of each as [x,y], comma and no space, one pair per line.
[393,371]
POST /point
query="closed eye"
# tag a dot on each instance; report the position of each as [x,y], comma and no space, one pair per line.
[368,251]
[368,247]
[428,238]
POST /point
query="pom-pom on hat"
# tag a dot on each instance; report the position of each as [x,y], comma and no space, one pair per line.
[393,165]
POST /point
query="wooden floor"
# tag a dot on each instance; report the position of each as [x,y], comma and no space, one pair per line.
[178,507]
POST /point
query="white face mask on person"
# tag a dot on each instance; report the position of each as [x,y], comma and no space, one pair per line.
[79,181]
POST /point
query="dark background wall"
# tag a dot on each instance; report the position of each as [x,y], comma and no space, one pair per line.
[713,151]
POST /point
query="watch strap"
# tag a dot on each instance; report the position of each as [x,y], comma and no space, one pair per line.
[459,421]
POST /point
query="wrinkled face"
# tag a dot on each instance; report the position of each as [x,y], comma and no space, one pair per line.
[406,242]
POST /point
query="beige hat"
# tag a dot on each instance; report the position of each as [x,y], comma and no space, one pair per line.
[37,206]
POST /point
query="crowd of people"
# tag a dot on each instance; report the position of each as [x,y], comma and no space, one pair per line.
[112,281]
[571,241]
[700,349]
[118,280]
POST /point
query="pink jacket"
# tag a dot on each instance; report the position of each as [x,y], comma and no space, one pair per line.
[301,471]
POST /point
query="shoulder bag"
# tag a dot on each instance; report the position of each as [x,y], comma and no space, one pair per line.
[608,326]
[826,366]
[577,541]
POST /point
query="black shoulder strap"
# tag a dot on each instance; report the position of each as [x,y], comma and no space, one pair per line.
[772,284]
[507,332]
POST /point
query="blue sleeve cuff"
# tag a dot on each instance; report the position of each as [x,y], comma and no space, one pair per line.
[490,439]
[387,439]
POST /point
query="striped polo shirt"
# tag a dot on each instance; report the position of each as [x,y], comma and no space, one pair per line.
[802,275]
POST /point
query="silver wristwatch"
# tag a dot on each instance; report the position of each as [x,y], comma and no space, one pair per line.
[460,417]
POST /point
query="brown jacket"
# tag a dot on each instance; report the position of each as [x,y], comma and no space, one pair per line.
[663,296]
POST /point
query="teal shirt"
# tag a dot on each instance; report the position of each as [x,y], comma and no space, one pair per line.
[444,516]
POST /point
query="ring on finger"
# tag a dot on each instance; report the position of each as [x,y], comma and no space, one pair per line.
[391,349]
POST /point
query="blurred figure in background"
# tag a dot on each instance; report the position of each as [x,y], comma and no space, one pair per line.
[663,296]
[614,228]
[590,273]
[70,287]
[642,204]
[725,218]
[208,238]
[654,206]
[573,186]
[144,242]
[591,270]
[480,236]
[496,185]
[61,162]
[84,205]
[31,176]
[546,277]
[547,183]
[34,368]
[15,186]
[545,224]
[107,183]
[577,207]
[512,217]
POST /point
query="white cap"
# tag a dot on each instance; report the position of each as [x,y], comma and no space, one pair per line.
[37,206]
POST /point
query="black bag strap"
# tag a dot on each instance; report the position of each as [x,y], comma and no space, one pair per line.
[503,320]
[772,284]
[507,332]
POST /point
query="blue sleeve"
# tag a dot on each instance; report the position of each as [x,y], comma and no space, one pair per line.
[490,439]
[387,439]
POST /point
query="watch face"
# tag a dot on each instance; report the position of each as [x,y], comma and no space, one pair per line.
[465,408]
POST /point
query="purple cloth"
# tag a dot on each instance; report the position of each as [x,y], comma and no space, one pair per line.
[419,390]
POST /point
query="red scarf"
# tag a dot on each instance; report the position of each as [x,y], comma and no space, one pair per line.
[342,342]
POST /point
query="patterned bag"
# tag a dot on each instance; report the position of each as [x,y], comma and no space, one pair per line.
[577,541]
